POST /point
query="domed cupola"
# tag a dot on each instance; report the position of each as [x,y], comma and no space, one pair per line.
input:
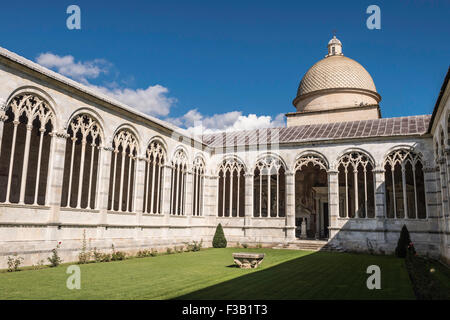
[335,89]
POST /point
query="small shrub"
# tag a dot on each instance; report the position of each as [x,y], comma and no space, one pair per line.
[179,249]
[39,265]
[219,240]
[244,245]
[403,242]
[194,246]
[259,245]
[97,255]
[117,255]
[105,257]
[169,251]
[144,253]
[55,260]
[14,263]
[84,256]
[153,253]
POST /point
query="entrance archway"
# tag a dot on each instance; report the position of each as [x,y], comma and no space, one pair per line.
[311,198]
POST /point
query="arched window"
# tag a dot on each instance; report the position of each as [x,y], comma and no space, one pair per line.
[197,186]
[25,150]
[405,187]
[178,190]
[231,189]
[81,163]
[356,186]
[122,175]
[311,196]
[269,188]
[153,186]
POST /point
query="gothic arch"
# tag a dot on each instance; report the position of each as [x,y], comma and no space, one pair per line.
[42,95]
[125,150]
[354,149]
[179,164]
[310,156]
[155,159]
[228,161]
[29,123]
[357,184]
[231,187]
[91,113]
[269,186]
[198,180]
[81,162]
[404,183]
[131,128]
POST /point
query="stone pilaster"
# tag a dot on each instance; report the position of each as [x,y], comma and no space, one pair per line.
[380,193]
[333,202]
[447,165]
[444,186]
[189,193]
[56,173]
[248,203]
[104,177]
[167,185]
[290,206]
[139,191]
[3,118]
[433,199]
[211,193]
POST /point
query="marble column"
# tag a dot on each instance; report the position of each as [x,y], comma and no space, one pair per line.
[317,218]
[333,202]
[290,206]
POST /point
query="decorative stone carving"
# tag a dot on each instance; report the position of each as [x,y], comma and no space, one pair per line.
[248,260]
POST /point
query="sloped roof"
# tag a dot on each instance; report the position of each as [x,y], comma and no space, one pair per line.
[388,127]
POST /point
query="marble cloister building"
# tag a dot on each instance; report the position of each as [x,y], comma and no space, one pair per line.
[74,162]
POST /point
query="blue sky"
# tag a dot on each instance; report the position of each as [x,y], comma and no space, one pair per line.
[218,60]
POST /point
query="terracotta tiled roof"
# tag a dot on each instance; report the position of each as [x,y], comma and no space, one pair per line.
[402,126]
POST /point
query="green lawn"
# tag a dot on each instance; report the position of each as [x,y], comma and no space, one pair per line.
[284,274]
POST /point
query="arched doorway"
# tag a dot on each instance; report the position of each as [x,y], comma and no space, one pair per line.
[311,198]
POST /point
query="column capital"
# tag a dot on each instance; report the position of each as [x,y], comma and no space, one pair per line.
[289,173]
[107,148]
[332,171]
[60,134]
[248,175]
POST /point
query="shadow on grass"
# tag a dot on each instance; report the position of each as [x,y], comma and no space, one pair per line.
[320,275]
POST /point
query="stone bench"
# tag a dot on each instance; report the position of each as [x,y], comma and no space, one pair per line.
[248,260]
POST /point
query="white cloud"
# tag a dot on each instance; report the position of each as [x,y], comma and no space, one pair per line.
[196,123]
[152,101]
[67,66]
